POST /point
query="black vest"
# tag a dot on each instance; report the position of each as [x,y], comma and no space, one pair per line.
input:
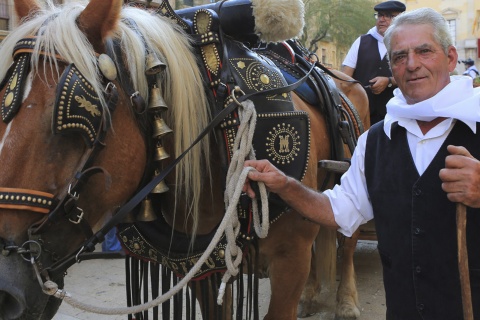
[369,66]
[416,227]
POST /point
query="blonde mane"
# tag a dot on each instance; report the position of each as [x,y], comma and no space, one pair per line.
[181,82]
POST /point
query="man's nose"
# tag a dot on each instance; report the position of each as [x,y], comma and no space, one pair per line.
[412,61]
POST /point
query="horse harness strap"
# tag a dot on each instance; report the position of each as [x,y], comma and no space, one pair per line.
[24,199]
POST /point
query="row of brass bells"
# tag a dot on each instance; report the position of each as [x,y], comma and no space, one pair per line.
[157,105]
[153,65]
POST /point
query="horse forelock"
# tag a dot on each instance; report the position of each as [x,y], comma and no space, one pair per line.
[182,89]
[57,34]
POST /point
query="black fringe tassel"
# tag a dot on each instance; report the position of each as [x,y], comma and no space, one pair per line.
[145,280]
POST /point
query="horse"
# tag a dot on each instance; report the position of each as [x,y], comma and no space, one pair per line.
[76,145]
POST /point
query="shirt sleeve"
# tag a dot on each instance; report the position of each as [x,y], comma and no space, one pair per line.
[352,55]
[350,200]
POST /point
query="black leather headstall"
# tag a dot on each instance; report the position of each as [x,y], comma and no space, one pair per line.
[14,80]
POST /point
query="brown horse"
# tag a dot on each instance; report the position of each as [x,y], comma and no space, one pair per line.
[73,148]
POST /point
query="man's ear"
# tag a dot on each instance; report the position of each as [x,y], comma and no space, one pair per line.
[452,55]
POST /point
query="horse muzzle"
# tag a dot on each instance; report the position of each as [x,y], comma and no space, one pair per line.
[21,296]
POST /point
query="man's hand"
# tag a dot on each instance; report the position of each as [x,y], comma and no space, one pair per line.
[274,179]
[461,177]
[378,84]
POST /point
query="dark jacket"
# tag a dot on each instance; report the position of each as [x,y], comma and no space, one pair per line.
[416,227]
[369,65]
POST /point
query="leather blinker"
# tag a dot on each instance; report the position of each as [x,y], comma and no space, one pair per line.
[77,106]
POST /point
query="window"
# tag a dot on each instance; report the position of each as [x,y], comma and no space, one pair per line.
[4,17]
[452,26]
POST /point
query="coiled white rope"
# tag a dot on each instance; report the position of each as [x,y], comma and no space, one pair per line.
[242,148]
[230,225]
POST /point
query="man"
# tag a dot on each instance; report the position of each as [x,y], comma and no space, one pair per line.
[367,60]
[471,71]
[408,172]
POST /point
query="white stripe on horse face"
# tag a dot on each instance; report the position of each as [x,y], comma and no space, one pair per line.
[28,86]
[26,92]
[5,135]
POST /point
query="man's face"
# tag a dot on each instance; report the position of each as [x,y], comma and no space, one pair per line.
[384,18]
[419,65]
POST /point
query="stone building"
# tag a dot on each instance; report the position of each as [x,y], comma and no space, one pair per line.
[463,18]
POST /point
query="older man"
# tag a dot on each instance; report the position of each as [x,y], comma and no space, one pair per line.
[408,172]
[367,60]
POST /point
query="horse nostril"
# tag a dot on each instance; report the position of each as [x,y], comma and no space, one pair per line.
[13,306]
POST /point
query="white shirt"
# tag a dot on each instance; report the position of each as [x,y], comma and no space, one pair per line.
[471,72]
[352,55]
[350,200]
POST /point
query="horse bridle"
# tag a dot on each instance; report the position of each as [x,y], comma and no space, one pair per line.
[64,205]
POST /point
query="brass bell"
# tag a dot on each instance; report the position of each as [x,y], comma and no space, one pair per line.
[160,128]
[129,218]
[146,211]
[160,188]
[156,102]
[153,65]
[160,153]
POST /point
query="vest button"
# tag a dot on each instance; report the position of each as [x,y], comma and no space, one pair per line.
[421,307]
[417,231]
[417,192]
[418,269]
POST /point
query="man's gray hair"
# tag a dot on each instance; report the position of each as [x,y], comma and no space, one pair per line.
[426,16]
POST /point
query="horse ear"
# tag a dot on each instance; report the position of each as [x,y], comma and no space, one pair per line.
[98,20]
[23,8]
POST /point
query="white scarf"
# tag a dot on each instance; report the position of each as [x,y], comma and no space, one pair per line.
[374,33]
[382,50]
[458,100]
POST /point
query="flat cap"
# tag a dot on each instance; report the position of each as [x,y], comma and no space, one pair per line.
[395,6]
[469,62]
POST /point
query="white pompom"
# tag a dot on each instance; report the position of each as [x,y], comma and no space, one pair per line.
[278,20]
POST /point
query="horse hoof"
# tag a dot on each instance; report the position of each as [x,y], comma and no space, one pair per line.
[347,312]
[305,315]
[304,311]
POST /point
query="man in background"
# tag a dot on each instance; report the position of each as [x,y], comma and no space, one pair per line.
[367,60]
[471,70]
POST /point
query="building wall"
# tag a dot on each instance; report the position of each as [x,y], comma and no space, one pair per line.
[466,15]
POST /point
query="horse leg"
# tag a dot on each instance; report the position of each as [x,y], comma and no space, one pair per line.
[347,296]
[322,273]
[310,300]
[206,293]
[286,255]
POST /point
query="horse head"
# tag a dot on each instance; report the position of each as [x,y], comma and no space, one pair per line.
[74,135]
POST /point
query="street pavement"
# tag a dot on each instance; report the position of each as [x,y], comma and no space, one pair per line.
[102,283]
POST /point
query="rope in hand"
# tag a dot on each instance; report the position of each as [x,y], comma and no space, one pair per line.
[236,175]
[229,225]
